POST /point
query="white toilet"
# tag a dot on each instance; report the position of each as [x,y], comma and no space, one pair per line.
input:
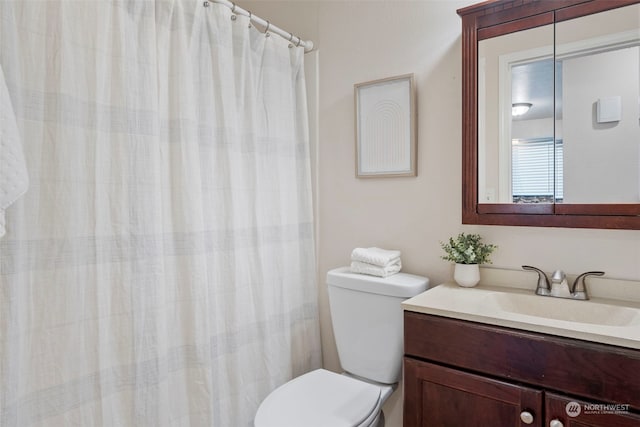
[367,323]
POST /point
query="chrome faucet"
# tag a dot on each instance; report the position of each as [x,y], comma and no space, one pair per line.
[558,286]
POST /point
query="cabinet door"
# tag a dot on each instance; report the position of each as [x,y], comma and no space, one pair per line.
[585,414]
[435,396]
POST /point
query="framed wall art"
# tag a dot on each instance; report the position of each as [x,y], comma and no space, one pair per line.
[386,127]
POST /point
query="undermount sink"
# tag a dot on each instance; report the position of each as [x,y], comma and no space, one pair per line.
[594,313]
[608,321]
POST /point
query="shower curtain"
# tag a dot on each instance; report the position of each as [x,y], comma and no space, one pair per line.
[160,269]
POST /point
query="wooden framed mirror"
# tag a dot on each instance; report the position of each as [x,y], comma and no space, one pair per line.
[572,159]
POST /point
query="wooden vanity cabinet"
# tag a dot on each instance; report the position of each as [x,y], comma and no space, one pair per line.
[466,374]
[439,396]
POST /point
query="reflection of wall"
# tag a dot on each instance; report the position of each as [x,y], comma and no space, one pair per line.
[601,160]
[598,24]
[531,129]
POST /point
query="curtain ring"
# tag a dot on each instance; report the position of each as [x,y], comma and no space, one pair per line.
[266,31]
[299,40]
[290,39]
[233,12]
[205,4]
[249,26]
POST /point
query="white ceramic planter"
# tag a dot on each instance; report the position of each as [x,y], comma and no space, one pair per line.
[466,275]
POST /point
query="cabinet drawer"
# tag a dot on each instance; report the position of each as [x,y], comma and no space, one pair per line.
[597,371]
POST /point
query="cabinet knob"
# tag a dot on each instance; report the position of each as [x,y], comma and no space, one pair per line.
[556,423]
[526,417]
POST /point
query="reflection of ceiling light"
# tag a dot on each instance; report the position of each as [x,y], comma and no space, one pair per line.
[519,108]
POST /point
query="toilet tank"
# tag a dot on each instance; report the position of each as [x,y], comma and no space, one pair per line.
[367,321]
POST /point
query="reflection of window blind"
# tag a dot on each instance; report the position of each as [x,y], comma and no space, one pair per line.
[532,168]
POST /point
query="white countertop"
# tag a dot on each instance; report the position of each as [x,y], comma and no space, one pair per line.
[602,320]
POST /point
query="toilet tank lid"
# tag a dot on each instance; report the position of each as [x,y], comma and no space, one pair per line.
[397,285]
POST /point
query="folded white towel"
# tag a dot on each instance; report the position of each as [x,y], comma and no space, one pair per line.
[375,256]
[14,180]
[374,270]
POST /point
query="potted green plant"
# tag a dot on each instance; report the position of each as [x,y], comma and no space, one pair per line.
[467,251]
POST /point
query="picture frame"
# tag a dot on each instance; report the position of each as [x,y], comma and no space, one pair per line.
[386,128]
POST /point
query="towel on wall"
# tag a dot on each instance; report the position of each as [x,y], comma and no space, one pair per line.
[375,256]
[14,179]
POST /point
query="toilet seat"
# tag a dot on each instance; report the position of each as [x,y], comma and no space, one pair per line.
[320,399]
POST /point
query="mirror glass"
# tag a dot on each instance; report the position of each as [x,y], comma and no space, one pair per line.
[599,58]
[559,120]
[515,116]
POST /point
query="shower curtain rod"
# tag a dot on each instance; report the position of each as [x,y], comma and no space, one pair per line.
[294,40]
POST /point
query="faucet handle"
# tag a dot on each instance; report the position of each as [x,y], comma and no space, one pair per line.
[544,287]
[579,288]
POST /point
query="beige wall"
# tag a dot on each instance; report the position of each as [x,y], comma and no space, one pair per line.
[364,40]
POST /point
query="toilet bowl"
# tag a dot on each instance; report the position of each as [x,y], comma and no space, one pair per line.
[324,399]
[367,321]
